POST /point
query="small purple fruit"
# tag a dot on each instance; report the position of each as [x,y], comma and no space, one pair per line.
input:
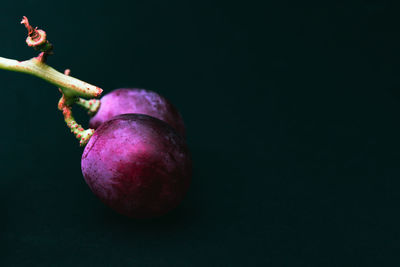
[140,101]
[137,165]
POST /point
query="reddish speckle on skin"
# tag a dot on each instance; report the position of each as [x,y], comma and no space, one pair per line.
[79,135]
[67,112]
[61,104]
[64,108]
[99,91]
[80,129]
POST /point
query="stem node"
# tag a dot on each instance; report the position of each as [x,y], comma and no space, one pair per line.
[38,40]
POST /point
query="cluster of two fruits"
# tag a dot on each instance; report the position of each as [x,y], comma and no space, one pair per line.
[137,161]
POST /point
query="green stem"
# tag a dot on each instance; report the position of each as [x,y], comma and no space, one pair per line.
[71,88]
[92,105]
[80,133]
[70,85]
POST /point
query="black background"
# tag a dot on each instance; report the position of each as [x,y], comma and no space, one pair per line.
[291,110]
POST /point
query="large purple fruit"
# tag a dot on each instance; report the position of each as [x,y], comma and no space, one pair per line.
[131,100]
[138,165]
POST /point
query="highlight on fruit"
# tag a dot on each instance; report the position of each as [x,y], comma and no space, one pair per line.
[135,158]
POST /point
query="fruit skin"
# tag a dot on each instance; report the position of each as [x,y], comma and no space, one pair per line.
[141,101]
[137,165]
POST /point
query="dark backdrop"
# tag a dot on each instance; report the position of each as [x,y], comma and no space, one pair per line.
[292,113]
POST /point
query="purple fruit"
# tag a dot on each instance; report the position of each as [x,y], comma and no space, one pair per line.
[137,165]
[140,101]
